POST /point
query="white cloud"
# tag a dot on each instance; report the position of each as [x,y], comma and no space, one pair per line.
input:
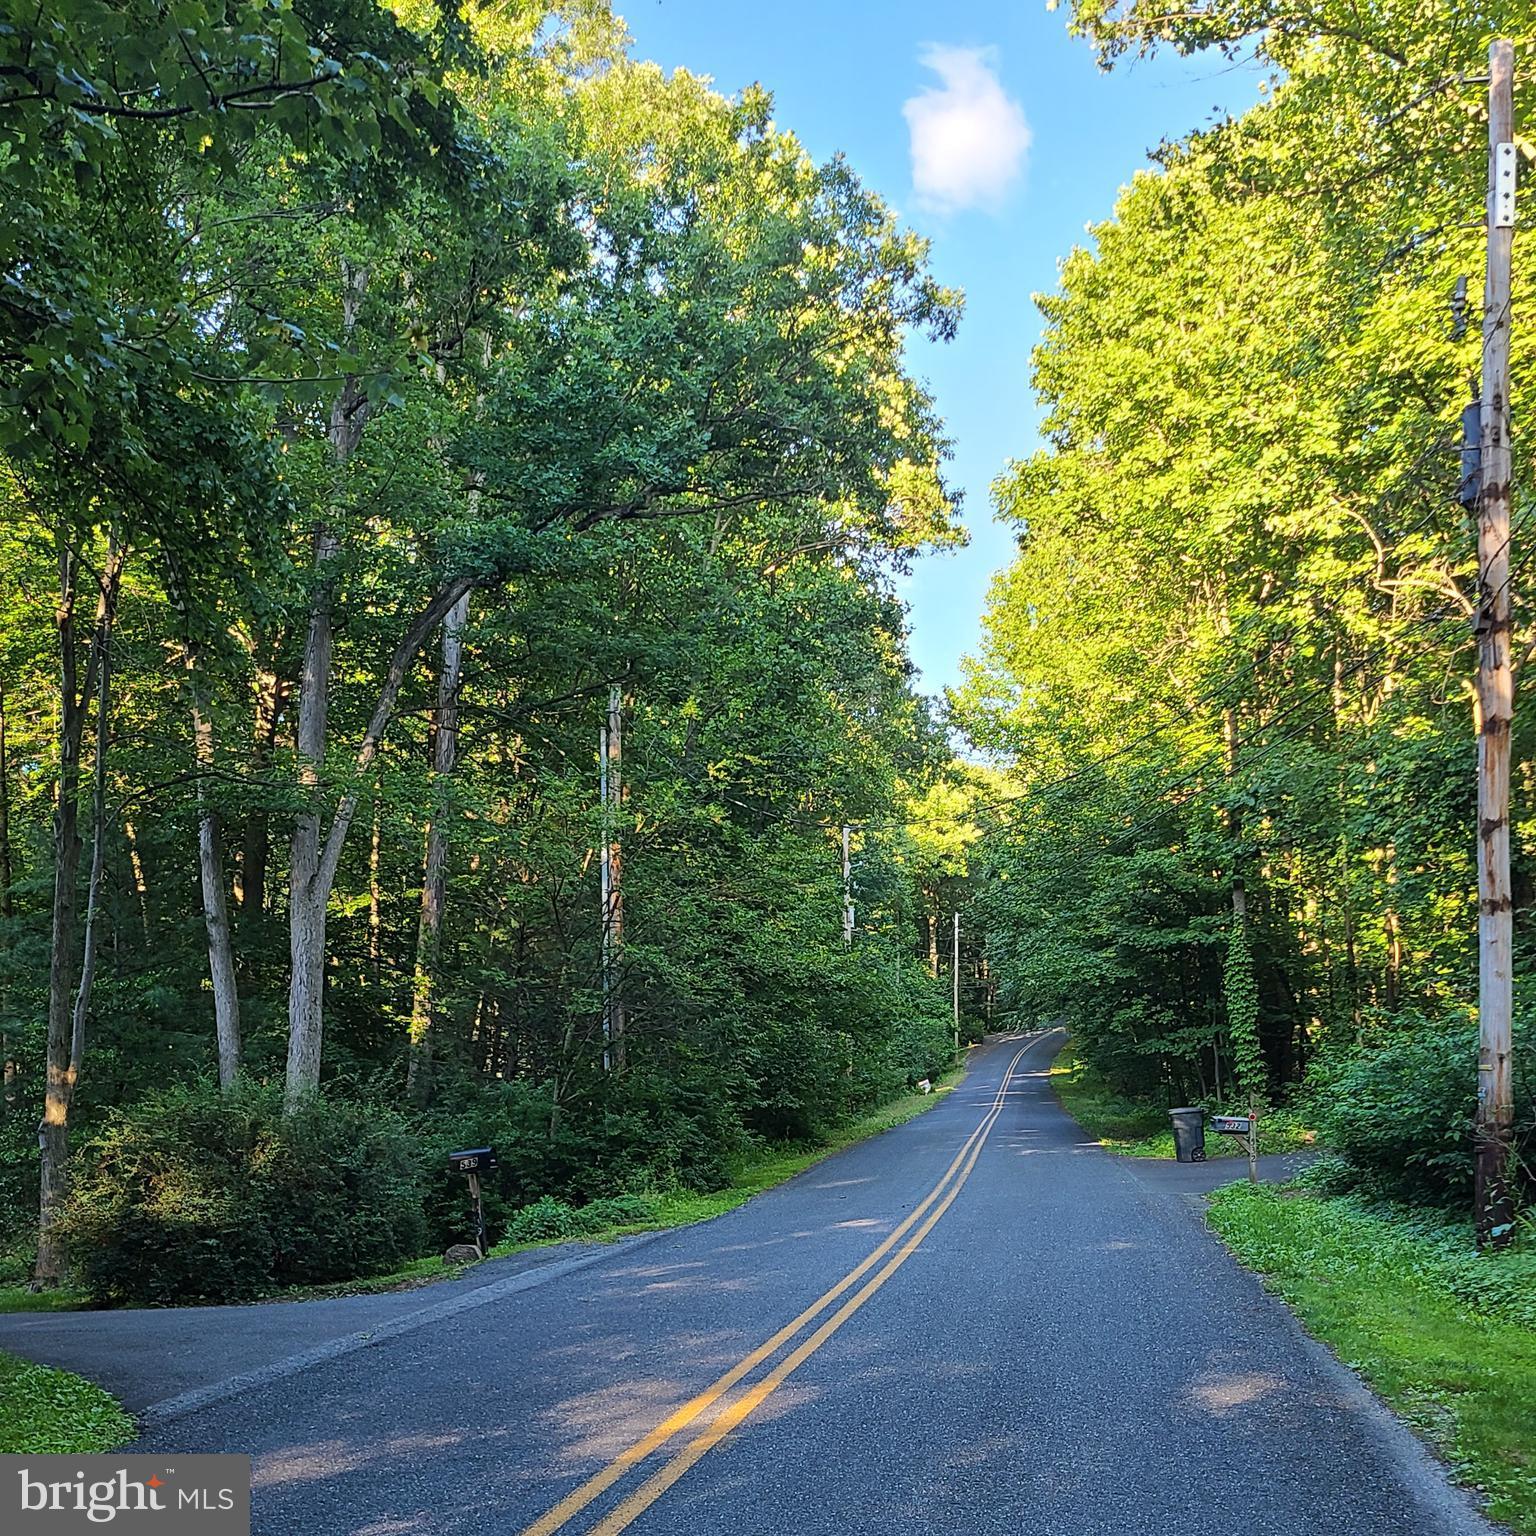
[969,137]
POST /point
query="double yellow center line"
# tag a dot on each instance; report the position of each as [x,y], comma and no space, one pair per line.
[927,1214]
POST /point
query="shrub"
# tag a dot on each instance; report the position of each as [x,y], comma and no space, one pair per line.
[546,1220]
[1399,1114]
[339,1190]
[617,1211]
[551,1220]
[190,1196]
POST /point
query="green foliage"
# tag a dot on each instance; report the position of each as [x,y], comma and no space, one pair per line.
[1398,1111]
[1445,1334]
[189,1196]
[549,1220]
[1234,637]
[325,315]
[1242,1003]
[49,1412]
[546,1220]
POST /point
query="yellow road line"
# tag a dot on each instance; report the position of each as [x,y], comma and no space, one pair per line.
[651,1490]
[578,1499]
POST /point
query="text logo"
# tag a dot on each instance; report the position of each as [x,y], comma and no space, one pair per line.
[130,1495]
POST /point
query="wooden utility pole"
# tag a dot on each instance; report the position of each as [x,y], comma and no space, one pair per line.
[955,974]
[612,747]
[847,886]
[1495,681]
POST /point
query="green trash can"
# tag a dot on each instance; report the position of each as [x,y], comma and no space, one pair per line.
[1188,1134]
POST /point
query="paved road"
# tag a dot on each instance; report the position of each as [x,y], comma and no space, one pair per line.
[977,1323]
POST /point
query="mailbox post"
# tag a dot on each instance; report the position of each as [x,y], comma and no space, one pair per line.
[472,1163]
[1246,1126]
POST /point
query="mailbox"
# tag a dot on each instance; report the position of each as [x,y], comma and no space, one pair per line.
[1231,1125]
[474,1160]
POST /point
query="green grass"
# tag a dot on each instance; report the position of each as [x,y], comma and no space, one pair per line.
[20,1298]
[16,1294]
[1139,1128]
[47,1411]
[1447,1336]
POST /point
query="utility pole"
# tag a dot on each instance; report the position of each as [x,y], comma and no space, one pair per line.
[847,886]
[613,882]
[955,976]
[1495,681]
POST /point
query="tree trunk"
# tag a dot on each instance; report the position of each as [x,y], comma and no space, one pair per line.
[434,873]
[256,834]
[312,870]
[140,884]
[65,1039]
[92,941]
[314,864]
[7,910]
[307,895]
[375,896]
[210,863]
[308,892]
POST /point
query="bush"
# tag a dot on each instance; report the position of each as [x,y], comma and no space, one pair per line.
[551,1220]
[546,1220]
[617,1211]
[189,1196]
[1399,1114]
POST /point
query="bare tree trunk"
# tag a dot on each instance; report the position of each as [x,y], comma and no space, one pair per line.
[92,941]
[210,863]
[375,897]
[307,894]
[254,842]
[315,856]
[7,910]
[66,1035]
[434,873]
[617,1047]
[308,891]
[314,863]
[140,883]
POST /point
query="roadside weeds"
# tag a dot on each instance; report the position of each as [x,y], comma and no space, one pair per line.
[43,1410]
[1444,1335]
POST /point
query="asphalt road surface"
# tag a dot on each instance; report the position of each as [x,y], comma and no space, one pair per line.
[977,1323]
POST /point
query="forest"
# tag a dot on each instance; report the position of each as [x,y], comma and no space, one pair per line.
[454,685]
[1231,667]
[453,480]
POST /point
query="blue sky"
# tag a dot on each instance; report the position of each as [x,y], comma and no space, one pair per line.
[995,134]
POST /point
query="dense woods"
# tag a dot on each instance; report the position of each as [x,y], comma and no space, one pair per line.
[396,405]
[1233,658]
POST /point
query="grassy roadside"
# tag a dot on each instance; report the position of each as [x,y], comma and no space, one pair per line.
[43,1410]
[751,1175]
[1135,1128]
[1445,1335]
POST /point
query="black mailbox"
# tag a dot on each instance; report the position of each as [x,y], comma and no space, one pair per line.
[475,1160]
